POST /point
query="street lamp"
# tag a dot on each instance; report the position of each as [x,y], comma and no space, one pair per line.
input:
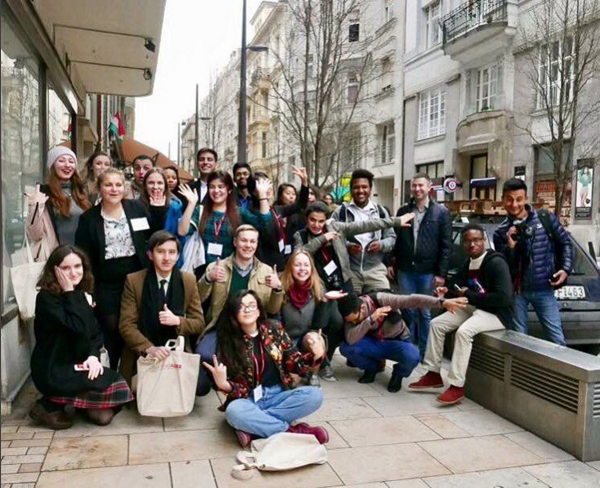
[242,112]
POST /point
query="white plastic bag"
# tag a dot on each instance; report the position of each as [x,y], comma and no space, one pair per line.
[193,253]
[168,388]
[24,280]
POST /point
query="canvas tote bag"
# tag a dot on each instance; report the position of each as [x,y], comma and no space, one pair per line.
[24,280]
[279,452]
[168,388]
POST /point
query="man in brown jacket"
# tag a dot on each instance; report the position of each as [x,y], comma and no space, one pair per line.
[158,304]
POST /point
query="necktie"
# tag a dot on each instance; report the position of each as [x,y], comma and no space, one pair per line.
[163,291]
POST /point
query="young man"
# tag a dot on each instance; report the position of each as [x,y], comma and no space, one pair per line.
[375,331]
[158,304]
[206,160]
[241,173]
[540,254]
[366,249]
[141,165]
[485,281]
[224,278]
[422,252]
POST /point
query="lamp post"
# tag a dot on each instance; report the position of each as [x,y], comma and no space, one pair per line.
[242,111]
[196,135]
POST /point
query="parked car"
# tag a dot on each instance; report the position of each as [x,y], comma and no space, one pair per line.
[579,299]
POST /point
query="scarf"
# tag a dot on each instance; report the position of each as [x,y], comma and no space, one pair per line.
[300,294]
[152,304]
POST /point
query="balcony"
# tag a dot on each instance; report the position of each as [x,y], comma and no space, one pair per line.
[479,28]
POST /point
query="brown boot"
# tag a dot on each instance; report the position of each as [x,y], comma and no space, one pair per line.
[55,420]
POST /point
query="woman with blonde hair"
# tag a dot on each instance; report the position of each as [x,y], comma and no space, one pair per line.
[307,308]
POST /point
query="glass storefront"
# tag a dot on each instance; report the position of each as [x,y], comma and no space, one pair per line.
[21,143]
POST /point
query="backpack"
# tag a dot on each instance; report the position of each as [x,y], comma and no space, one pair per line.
[545,220]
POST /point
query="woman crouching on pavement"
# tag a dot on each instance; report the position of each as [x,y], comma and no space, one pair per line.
[65,364]
[256,375]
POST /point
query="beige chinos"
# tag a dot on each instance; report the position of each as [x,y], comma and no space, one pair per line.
[467,323]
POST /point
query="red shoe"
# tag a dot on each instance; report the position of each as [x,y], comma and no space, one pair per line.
[452,395]
[319,432]
[244,438]
[430,380]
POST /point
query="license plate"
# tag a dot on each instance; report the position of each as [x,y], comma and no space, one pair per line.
[570,293]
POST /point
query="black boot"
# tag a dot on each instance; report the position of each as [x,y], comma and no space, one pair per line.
[395,384]
[367,377]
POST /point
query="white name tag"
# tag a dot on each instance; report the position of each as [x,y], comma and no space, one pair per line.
[330,268]
[257,394]
[288,249]
[215,249]
[140,224]
[281,245]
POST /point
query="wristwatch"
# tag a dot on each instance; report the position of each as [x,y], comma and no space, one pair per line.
[442,300]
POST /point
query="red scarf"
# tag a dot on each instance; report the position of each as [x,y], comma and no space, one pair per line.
[300,294]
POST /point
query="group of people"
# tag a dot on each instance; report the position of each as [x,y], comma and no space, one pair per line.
[266,287]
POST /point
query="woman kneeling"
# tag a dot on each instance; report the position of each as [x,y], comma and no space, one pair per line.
[259,361]
[65,364]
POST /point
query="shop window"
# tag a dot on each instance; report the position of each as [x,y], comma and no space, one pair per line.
[21,144]
[59,120]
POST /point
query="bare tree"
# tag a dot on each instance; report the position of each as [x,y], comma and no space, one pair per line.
[562,48]
[211,113]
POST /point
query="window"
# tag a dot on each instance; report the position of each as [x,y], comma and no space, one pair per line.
[388,10]
[59,120]
[544,159]
[388,144]
[386,74]
[265,103]
[352,149]
[556,74]
[488,80]
[432,113]
[433,31]
[310,66]
[352,89]
[354,28]
[434,170]
[264,145]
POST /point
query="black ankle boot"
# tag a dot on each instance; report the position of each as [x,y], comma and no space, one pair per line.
[367,377]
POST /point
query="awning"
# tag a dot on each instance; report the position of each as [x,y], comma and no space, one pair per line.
[483,182]
[110,46]
[133,148]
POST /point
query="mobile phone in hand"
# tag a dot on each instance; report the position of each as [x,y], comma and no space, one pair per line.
[81,367]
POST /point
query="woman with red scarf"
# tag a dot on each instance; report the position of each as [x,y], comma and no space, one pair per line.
[306,307]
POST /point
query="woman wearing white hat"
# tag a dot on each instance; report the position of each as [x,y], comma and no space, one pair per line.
[55,208]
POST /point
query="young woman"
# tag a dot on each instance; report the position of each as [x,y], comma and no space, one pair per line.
[55,208]
[258,359]
[114,235]
[96,164]
[156,192]
[173,182]
[307,307]
[217,220]
[65,364]
[286,194]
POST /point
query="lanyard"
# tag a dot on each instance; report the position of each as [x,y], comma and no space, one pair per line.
[325,252]
[281,227]
[218,227]
[259,371]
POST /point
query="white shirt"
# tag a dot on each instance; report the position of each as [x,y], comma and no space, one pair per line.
[476,263]
[203,190]
[368,212]
[160,278]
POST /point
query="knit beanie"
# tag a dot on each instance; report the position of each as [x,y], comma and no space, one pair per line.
[57,152]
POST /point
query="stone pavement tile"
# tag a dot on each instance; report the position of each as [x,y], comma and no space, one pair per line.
[467,405]
[127,421]
[23,485]
[341,409]
[479,453]
[13,436]
[405,403]
[192,474]
[37,450]
[595,465]
[19,478]
[22,459]
[204,416]
[147,476]
[44,434]
[314,476]
[482,422]
[416,483]
[5,443]
[368,485]
[335,439]
[9,429]
[31,443]
[570,474]
[442,426]
[346,388]
[381,463]
[390,430]
[86,452]
[30,468]
[13,451]
[33,426]
[541,448]
[10,468]
[182,446]
[505,478]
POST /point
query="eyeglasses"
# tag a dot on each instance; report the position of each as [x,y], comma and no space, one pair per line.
[253,307]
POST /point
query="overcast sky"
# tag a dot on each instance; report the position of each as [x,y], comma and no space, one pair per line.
[197,38]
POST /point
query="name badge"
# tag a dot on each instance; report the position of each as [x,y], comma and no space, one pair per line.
[281,245]
[330,268]
[140,224]
[257,394]
[215,249]
[288,249]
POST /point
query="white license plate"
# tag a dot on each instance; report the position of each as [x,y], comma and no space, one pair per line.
[570,293]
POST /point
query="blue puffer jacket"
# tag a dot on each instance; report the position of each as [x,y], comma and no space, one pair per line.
[537,256]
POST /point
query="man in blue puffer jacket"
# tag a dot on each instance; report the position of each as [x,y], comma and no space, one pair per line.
[540,257]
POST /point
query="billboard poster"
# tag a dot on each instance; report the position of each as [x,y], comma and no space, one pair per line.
[585,188]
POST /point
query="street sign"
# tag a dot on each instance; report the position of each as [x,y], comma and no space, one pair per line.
[450,185]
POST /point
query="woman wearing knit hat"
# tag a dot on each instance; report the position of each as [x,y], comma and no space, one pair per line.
[55,208]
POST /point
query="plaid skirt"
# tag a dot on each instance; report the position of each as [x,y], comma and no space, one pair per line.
[115,395]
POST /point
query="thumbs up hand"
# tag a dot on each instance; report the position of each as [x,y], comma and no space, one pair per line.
[217,272]
[168,318]
[273,280]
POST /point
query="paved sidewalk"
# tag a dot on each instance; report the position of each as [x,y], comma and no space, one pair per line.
[378,440]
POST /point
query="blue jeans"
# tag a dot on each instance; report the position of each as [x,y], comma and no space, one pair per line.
[369,351]
[418,320]
[546,307]
[275,411]
[206,348]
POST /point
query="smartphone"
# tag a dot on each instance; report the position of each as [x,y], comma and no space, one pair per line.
[81,367]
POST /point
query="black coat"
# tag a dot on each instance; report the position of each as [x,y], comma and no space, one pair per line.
[66,334]
[434,241]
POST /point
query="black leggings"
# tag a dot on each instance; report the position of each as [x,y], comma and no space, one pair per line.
[113,342]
